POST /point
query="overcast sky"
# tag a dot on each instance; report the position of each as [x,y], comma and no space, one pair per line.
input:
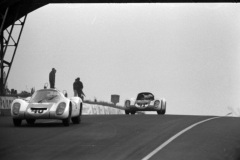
[186,53]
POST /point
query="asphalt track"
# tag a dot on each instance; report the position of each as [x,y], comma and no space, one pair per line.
[122,137]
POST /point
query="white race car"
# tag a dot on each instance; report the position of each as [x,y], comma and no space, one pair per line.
[47,104]
[145,101]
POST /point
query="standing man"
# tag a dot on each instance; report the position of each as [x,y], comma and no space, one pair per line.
[77,88]
[52,78]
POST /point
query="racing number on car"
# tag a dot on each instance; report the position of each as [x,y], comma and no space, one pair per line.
[37,111]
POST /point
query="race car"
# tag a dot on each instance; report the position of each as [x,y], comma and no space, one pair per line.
[145,101]
[47,104]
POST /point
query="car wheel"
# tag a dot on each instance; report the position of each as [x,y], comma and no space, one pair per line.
[17,122]
[163,108]
[81,109]
[127,112]
[30,121]
[133,112]
[66,122]
[77,120]
[163,111]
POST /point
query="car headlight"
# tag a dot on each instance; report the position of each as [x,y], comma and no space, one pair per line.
[127,104]
[156,104]
[60,109]
[16,108]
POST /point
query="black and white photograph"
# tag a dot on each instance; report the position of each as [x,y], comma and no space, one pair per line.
[119,80]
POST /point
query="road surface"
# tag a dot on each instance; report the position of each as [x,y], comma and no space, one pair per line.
[123,137]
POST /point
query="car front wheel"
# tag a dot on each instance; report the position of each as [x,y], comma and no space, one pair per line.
[66,122]
[161,112]
[77,120]
[17,122]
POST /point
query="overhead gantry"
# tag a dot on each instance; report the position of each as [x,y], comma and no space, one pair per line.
[13,14]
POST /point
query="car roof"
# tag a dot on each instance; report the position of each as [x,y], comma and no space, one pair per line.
[49,89]
[145,93]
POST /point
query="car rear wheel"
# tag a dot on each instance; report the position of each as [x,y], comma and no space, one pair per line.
[127,112]
[17,122]
[77,120]
[30,121]
[66,122]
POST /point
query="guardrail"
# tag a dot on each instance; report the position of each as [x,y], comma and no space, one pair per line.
[96,109]
[5,105]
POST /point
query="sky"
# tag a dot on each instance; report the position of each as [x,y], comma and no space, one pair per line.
[188,54]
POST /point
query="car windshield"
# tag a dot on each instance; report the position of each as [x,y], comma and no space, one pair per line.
[145,96]
[49,96]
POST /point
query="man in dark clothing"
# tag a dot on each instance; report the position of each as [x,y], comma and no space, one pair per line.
[52,78]
[77,88]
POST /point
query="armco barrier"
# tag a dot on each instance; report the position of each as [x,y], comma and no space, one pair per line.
[6,101]
[94,109]
[5,105]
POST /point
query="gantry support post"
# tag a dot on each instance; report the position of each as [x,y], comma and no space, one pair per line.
[1,63]
[7,40]
[2,18]
[16,42]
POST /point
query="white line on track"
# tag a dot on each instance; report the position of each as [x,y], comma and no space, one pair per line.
[174,137]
